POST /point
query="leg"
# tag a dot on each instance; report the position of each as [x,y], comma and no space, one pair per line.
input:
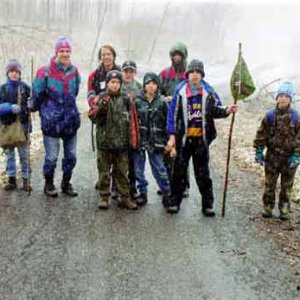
[139,160]
[287,181]
[131,175]
[52,146]
[202,174]
[10,169]
[68,164]
[120,167]
[26,171]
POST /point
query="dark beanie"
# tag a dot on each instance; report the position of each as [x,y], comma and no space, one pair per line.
[195,65]
[13,65]
[113,74]
[151,76]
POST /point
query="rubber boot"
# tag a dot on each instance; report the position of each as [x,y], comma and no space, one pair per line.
[11,184]
[66,186]
[49,188]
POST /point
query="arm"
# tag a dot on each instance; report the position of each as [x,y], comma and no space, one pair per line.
[39,90]
[260,140]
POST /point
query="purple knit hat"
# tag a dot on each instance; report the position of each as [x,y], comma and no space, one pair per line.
[13,65]
[62,42]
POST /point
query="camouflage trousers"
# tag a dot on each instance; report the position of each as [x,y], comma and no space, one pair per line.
[275,166]
[118,161]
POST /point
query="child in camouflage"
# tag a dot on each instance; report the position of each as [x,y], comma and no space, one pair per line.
[279,132]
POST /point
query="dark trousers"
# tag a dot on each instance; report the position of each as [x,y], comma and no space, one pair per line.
[198,150]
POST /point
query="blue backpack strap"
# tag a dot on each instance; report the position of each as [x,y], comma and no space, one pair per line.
[294,116]
[271,117]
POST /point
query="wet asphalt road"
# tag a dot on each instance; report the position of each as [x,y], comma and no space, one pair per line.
[64,249]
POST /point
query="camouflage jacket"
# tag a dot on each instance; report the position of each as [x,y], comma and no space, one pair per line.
[113,122]
[282,137]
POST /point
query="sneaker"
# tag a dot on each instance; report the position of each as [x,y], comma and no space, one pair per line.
[209,212]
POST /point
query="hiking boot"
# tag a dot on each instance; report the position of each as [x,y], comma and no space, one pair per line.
[67,187]
[103,204]
[11,184]
[142,199]
[26,185]
[127,203]
[209,212]
[49,188]
[174,209]
[267,213]
[285,212]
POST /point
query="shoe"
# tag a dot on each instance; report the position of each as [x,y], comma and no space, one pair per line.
[26,185]
[127,203]
[174,209]
[267,213]
[209,212]
[49,188]
[165,201]
[11,184]
[159,192]
[103,204]
[142,199]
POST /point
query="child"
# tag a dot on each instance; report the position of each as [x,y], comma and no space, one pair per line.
[112,133]
[279,133]
[131,87]
[9,110]
[152,110]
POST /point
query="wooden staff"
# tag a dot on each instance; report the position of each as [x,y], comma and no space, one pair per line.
[230,132]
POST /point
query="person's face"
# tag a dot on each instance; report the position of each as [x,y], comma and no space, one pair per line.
[195,77]
[114,85]
[177,58]
[63,56]
[128,75]
[107,58]
[151,87]
[283,101]
[13,75]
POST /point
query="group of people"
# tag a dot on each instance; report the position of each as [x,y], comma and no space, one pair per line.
[169,118]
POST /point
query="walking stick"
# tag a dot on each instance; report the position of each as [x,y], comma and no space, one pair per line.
[28,136]
[230,133]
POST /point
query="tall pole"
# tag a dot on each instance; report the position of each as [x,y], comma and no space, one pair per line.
[238,84]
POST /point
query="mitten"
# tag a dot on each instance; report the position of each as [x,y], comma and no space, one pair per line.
[15,109]
[294,160]
[259,156]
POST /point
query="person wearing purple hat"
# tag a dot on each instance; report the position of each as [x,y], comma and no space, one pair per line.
[10,110]
[55,89]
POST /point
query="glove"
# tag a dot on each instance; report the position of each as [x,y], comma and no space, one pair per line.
[294,160]
[15,109]
[259,156]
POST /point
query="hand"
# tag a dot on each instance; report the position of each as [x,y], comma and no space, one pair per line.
[15,109]
[259,156]
[294,160]
[29,104]
[171,143]
[232,109]
[105,100]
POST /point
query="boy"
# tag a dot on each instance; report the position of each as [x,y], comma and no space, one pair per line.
[112,134]
[152,110]
[279,133]
[194,105]
[9,111]
[131,87]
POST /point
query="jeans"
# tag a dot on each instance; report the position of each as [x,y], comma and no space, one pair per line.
[158,168]
[11,169]
[52,146]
